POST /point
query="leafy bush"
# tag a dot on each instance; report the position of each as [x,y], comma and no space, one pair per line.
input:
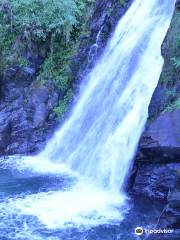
[122,2]
[173,106]
[55,67]
[62,107]
[42,17]
[170,73]
[176,62]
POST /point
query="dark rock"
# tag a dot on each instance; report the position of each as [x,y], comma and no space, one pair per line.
[26,113]
[40,115]
[161,141]
[4,135]
[170,217]
[39,94]
[166,129]
[52,101]
[178,4]
[159,101]
[29,70]
[155,180]
[131,178]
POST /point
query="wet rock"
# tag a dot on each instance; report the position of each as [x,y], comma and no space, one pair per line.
[4,136]
[178,4]
[155,180]
[21,76]
[40,115]
[170,217]
[161,141]
[165,130]
[39,94]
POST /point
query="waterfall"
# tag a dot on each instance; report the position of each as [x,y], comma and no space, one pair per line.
[100,138]
[97,143]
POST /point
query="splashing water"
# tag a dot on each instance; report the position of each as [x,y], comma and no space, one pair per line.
[97,143]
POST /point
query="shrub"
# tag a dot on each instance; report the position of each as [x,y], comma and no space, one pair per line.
[173,106]
[122,2]
[62,107]
[42,17]
[176,62]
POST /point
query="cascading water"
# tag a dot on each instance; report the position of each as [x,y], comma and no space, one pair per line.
[98,141]
[100,138]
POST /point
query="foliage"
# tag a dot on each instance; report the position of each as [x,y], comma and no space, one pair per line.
[55,67]
[171,45]
[7,39]
[173,37]
[166,76]
[176,62]
[122,2]
[42,17]
[173,106]
[171,93]
[61,109]
[22,62]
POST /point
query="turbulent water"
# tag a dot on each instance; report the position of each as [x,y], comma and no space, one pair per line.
[93,151]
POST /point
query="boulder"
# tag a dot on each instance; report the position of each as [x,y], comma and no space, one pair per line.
[165,130]
[155,180]
[161,141]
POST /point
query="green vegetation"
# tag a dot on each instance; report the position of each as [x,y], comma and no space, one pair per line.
[172,48]
[41,19]
[56,23]
[22,62]
[167,76]
[55,68]
[171,93]
[173,106]
[61,109]
[122,2]
[171,71]
[176,62]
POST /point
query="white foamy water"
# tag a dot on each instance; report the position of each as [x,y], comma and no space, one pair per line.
[98,141]
[85,204]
